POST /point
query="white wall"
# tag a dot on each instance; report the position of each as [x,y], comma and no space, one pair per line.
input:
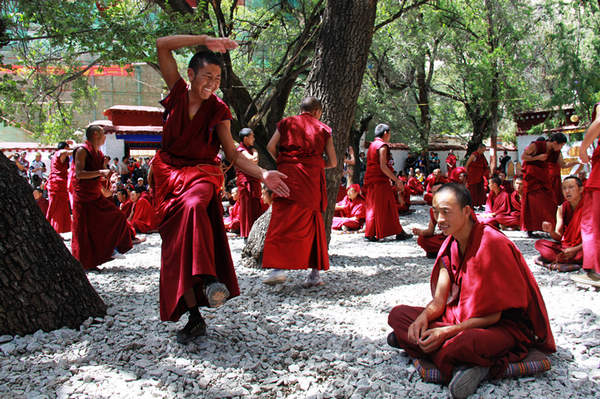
[113,148]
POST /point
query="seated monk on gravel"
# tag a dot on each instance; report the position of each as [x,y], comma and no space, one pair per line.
[565,252]
[497,203]
[352,211]
[512,219]
[428,239]
[232,222]
[487,310]
[142,216]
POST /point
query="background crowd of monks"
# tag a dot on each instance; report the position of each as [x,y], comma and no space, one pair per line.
[184,204]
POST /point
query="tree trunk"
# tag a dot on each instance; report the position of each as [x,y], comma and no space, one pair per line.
[41,285]
[355,137]
[336,76]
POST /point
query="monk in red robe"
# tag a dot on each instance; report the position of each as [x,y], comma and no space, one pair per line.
[539,202]
[458,175]
[382,212]
[512,219]
[185,177]
[498,203]
[40,200]
[565,252]
[296,235]
[435,178]
[487,309]
[142,216]
[353,211]
[99,227]
[590,219]
[232,222]
[414,186]
[125,203]
[450,163]
[249,190]
[402,198]
[59,212]
[478,169]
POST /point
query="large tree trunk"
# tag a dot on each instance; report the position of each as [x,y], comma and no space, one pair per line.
[336,77]
[41,285]
[355,136]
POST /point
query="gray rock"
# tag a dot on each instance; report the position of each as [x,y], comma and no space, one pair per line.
[5,338]
[253,250]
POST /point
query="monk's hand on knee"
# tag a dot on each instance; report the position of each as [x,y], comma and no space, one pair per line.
[432,339]
[417,328]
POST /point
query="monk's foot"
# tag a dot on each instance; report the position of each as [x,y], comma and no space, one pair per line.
[371,239]
[313,280]
[117,255]
[344,228]
[593,275]
[466,380]
[276,277]
[195,327]
[392,340]
[216,293]
[587,278]
[138,240]
[403,236]
[539,261]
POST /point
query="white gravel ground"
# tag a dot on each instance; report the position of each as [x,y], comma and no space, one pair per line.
[284,341]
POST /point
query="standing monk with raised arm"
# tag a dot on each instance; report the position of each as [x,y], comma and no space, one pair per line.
[196,264]
[590,218]
[296,236]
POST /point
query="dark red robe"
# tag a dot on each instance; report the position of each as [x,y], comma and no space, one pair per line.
[297,225]
[249,191]
[491,277]
[382,212]
[43,204]
[186,178]
[450,163]
[498,204]
[590,219]
[554,176]
[431,244]
[538,202]
[414,186]
[232,222]
[59,212]
[513,217]
[477,170]
[551,251]
[404,207]
[99,227]
[353,214]
[126,208]
[454,177]
[144,218]
[430,182]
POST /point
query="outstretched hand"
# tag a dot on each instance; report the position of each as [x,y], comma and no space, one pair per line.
[220,44]
[274,181]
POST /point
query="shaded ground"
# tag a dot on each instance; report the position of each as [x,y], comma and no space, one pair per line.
[284,341]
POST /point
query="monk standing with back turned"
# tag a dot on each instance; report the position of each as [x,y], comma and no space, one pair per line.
[296,235]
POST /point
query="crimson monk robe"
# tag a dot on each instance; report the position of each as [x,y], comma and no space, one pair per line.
[186,179]
[59,213]
[477,170]
[99,227]
[552,251]
[296,235]
[249,191]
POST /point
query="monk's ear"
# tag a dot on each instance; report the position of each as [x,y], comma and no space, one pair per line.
[191,74]
[467,211]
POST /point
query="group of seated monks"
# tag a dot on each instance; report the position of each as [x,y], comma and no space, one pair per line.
[136,205]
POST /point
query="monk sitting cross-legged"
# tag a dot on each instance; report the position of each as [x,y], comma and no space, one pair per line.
[564,254]
[512,219]
[487,309]
[498,203]
[352,211]
[142,216]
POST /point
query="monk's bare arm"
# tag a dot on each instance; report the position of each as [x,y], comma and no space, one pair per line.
[428,232]
[80,173]
[433,310]
[165,46]
[273,143]
[471,159]
[330,152]
[63,154]
[529,157]
[592,134]
[383,165]
[250,157]
[272,178]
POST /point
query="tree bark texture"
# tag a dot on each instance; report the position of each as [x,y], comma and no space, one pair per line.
[41,285]
[337,71]
[252,252]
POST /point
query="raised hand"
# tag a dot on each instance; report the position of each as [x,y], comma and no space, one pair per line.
[220,44]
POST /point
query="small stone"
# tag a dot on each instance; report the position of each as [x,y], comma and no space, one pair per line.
[5,338]
[9,348]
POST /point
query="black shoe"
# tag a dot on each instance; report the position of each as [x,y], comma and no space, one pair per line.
[531,234]
[372,239]
[431,255]
[392,341]
[403,236]
[195,327]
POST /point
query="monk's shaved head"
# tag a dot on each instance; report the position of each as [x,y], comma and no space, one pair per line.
[577,179]
[460,192]
[311,104]
[91,129]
